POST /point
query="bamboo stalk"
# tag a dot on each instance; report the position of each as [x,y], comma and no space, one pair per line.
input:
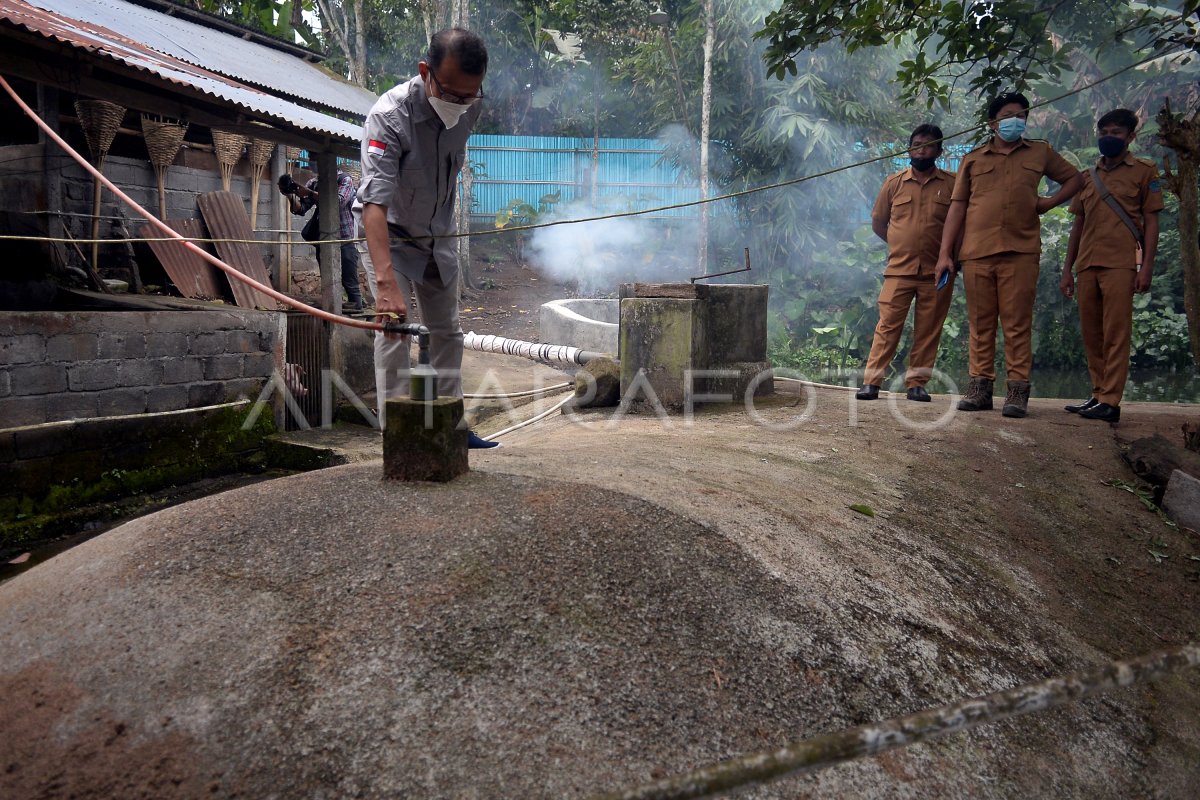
[817,753]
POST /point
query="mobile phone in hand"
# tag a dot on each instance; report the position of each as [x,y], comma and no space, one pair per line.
[941,284]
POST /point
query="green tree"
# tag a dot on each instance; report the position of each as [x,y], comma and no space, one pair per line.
[279,18]
[807,240]
[996,44]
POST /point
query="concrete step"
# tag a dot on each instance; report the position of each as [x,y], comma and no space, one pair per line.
[317,448]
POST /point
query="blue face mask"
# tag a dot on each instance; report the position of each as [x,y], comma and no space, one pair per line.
[1011,128]
[1111,146]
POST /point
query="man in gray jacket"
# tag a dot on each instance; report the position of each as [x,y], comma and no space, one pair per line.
[414,142]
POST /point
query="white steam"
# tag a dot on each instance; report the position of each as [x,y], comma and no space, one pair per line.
[599,256]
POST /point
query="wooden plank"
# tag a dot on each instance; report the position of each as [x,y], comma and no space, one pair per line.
[674,291]
[83,300]
[226,218]
[192,275]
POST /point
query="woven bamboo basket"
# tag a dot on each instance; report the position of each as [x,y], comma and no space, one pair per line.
[100,121]
[163,140]
[293,154]
[354,170]
[228,147]
[260,152]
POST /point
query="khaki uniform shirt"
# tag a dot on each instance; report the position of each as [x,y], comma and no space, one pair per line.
[914,215]
[1105,240]
[1001,190]
[410,163]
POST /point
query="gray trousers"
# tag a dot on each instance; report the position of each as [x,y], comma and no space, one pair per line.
[437,309]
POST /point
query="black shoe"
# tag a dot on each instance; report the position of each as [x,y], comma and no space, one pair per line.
[475,442]
[1091,402]
[919,394]
[869,391]
[1103,412]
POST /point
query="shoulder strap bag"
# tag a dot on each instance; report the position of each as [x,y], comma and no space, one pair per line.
[1117,208]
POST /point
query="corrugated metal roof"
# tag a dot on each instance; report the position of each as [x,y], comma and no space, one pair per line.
[222,53]
[109,44]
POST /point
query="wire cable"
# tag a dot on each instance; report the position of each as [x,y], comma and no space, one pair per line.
[531,420]
[658,209]
[528,393]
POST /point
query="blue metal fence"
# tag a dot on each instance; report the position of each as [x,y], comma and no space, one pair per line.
[631,174]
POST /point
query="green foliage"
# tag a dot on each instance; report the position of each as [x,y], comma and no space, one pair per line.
[987,46]
[1160,335]
[518,212]
[272,17]
[809,359]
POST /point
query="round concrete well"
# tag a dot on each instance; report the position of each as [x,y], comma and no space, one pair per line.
[589,324]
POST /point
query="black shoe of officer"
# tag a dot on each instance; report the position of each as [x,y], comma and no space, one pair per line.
[1091,402]
[919,394]
[1103,412]
[869,391]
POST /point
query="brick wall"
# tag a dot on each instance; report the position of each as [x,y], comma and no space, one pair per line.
[77,365]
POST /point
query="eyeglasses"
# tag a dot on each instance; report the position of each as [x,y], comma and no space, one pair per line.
[451,97]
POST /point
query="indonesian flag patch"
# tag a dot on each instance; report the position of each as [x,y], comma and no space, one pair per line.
[376,148]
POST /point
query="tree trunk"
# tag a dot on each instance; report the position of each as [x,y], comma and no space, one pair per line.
[705,121]
[335,23]
[1182,135]
[595,188]
[462,19]
[359,61]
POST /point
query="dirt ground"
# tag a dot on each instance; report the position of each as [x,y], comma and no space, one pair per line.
[615,599]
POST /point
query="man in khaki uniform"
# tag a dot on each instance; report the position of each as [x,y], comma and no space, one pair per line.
[995,207]
[1106,254]
[908,215]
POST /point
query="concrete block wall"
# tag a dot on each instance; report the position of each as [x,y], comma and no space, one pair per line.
[78,365]
[136,178]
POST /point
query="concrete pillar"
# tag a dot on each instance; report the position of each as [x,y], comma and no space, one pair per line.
[682,341]
[661,340]
[424,440]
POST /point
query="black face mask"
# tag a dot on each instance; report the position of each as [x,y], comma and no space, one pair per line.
[1111,146]
[922,164]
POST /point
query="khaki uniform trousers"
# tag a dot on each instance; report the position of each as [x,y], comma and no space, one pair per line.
[1105,299]
[437,308]
[1004,286]
[895,298]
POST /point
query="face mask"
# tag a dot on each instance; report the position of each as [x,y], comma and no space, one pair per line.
[1111,146]
[1011,128]
[922,164]
[449,113]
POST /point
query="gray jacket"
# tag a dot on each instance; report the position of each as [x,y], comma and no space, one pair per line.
[410,164]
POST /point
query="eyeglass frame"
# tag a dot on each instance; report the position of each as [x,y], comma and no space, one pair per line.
[451,97]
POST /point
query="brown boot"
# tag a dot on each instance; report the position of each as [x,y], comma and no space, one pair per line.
[978,396]
[1017,401]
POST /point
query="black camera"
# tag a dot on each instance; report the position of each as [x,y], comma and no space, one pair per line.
[287,185]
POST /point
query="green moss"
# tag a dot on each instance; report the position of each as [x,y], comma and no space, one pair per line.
[174,455]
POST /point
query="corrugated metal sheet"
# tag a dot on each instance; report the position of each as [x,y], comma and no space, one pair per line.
[226,218]
[110,44]
[191,274]
[631,176]
[244,61]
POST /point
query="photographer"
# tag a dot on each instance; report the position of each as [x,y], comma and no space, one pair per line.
[301,199]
